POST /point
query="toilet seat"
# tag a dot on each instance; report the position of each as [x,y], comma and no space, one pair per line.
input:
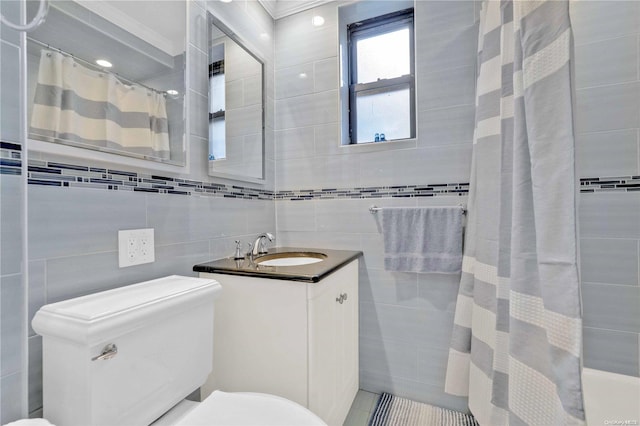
[249,409]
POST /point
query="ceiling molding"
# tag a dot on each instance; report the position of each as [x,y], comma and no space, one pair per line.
[139,29]
[281,8]
[269,6]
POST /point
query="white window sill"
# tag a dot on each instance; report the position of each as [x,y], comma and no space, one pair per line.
[379,146]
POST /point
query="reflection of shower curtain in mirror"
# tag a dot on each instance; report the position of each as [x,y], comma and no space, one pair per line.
[76,104]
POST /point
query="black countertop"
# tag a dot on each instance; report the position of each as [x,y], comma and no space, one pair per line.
[312,272]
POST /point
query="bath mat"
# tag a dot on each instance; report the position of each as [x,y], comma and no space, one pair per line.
[393,411]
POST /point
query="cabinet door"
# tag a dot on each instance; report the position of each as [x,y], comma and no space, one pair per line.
[348,354]
[324,344]
[333,344]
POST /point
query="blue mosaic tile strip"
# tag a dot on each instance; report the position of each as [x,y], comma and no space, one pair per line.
[610,184]
[398,191]
[10,146]
[10,159]
[79,176]
[10,171]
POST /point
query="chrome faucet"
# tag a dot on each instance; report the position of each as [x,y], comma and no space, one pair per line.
[258,246]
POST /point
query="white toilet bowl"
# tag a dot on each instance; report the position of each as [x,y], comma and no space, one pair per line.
[228,409]
[240,409]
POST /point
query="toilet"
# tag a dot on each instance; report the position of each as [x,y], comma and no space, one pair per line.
[130,356]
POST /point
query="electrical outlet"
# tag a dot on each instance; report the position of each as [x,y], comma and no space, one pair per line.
[135,247]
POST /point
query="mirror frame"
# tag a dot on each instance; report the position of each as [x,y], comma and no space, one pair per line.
[213,20]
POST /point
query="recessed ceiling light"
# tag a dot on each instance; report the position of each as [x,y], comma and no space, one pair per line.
[264,36]
[302,75]
[317,20]
[172,92]
[225,1]
[104,63]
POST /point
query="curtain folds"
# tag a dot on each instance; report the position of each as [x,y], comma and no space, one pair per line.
[517,337]
[77,104]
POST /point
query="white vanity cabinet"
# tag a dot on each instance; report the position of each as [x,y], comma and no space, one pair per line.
[333,345]
[289,338]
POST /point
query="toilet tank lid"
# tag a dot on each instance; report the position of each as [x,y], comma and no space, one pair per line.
[135,301]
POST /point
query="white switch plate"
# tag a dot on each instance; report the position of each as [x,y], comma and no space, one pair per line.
[135,247]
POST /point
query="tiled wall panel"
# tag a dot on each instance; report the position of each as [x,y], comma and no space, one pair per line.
[607,141]
[402,315]
[74,229]
[12,292]
[607,51]
[74,240]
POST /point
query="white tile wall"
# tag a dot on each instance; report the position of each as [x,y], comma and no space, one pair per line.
[607,51]
[73,231]
[396,320]
[608,117]
[12,373]
[613,153]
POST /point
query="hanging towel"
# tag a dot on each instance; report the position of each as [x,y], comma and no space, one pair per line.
[427,239]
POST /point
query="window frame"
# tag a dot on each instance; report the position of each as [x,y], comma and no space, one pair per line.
[372,27]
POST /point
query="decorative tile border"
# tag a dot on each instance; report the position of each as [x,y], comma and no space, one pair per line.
[51,173]
[610,184]
[399,191]
[10,158]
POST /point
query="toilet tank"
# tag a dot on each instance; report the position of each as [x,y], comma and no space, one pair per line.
[163,331]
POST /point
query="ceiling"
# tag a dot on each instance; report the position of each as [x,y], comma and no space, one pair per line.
[164,30]
[281,8]
[137,53]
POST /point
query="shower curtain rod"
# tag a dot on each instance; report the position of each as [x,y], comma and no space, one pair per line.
[118,76]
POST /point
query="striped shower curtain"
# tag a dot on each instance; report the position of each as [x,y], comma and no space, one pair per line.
[74,103]
[517,336]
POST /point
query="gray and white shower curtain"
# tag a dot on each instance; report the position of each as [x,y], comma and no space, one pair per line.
[74,103]
[517,337]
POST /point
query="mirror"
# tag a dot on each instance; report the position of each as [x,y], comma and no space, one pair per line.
[132,104]
[236,107]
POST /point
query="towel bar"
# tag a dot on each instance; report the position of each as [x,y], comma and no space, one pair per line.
[374,209]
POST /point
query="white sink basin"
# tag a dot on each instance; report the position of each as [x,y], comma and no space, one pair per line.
[291,259]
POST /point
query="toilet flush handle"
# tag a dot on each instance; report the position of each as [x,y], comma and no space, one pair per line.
[108,352]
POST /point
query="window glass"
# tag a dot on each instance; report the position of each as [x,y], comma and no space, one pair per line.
[217,113]
[217,93]
[383,56]
[217,145]
[383,116]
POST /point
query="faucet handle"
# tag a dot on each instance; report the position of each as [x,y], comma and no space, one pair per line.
[262,246]
[238,254]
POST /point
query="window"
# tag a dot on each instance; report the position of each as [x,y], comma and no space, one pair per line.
[217,147]
[381,78]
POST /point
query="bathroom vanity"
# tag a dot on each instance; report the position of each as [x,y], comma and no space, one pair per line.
[288,330]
